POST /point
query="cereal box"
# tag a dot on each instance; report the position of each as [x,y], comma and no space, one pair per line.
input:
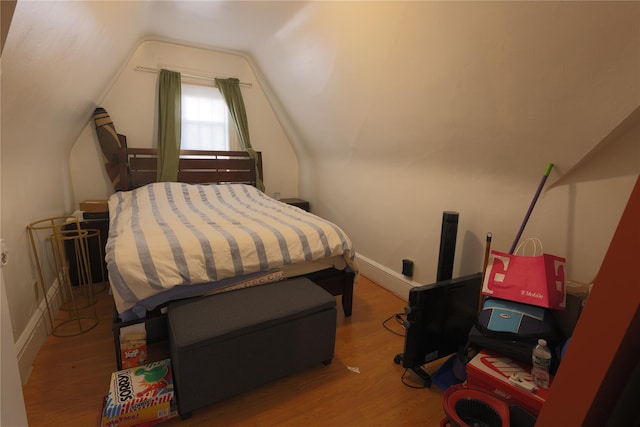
[140,395]
[133,345]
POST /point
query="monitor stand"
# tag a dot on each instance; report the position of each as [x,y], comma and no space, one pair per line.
[421,373]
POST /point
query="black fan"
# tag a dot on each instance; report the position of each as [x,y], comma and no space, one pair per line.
[477,413]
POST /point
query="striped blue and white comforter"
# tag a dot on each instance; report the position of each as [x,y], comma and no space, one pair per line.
[167,234]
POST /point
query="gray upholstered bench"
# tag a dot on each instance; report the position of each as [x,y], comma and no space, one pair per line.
[224,344]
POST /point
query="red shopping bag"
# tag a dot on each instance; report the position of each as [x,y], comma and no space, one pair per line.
[536,280]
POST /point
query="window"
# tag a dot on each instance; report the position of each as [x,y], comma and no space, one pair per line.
[205,119]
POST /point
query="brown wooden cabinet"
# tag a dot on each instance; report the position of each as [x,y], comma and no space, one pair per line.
[598,376]
[96,244]
[302,204]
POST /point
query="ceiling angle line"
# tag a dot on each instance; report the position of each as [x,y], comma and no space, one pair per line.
[187,75]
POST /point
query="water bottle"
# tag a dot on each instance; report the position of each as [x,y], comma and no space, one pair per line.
[541,359]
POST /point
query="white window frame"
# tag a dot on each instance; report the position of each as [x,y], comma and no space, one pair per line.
[204,113]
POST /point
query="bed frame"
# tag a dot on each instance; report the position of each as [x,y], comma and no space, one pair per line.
[138,167]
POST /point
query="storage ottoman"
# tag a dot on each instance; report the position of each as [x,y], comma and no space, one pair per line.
[224,344]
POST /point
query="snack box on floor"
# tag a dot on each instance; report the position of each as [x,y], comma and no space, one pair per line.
[142,395]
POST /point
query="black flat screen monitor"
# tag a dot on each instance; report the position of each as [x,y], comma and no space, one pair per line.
[439,318]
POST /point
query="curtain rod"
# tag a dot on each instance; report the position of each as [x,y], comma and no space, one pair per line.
[190,76]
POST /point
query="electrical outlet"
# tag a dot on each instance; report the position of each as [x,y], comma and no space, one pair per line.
[407,267]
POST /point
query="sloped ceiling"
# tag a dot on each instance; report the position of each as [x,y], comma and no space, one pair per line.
[526,80]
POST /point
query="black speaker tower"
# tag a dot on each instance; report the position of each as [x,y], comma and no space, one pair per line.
[447,245]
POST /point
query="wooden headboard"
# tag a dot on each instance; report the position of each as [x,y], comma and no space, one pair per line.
[138,167]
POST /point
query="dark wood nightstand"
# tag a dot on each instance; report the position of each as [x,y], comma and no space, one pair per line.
[95,243]
[302,204]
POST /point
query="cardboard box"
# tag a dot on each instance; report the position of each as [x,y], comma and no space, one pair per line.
[94,206]
[133,345]
[492,371]
[140,396]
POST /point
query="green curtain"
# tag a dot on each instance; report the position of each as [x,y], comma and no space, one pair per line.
[169,125]
[230,89]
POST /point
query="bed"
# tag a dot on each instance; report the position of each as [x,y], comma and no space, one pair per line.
[262,240]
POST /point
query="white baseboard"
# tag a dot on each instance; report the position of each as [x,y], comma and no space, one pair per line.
[35,334]
[385,277]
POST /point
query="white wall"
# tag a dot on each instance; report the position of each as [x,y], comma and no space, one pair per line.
[575,217]
[132,104]
[424,107]
[54,68]
[12,408]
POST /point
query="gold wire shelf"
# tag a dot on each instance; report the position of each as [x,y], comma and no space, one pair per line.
[51,239]
[103,284]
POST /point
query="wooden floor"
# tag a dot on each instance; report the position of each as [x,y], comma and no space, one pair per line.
[362,387]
